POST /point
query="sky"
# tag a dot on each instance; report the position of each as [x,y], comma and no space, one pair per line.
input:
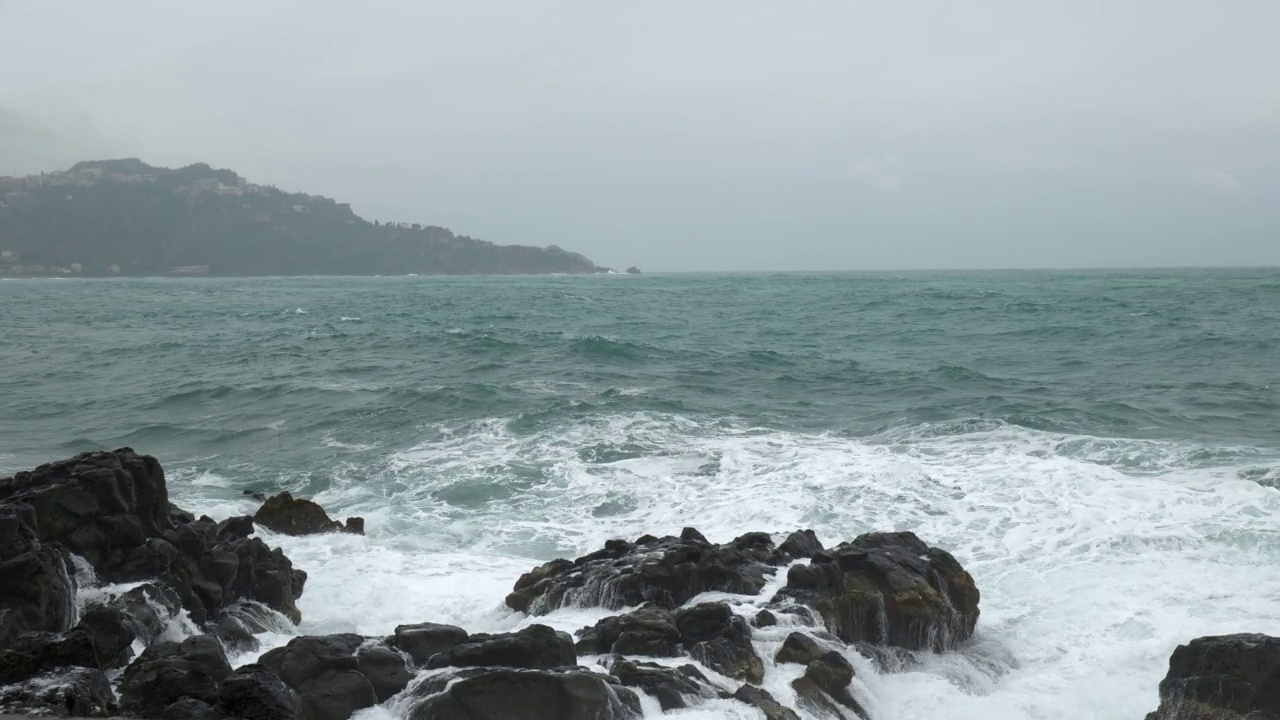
[685,136]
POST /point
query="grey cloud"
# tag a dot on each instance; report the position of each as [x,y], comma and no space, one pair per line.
[699,136]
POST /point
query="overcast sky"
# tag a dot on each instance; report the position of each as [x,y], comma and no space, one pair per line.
[745,135]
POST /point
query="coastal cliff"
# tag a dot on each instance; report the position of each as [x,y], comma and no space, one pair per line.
[125,217]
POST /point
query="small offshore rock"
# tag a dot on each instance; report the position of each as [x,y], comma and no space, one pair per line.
[764,618]
[296,516]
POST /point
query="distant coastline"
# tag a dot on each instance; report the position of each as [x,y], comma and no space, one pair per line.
[127,218]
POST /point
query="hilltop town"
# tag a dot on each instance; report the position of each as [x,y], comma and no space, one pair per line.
[125,217]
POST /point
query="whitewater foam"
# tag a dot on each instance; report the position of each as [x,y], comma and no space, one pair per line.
[1095,556]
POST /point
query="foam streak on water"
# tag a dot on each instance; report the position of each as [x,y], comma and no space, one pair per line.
[1095,558]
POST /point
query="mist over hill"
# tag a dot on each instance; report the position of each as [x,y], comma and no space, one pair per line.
[125,217]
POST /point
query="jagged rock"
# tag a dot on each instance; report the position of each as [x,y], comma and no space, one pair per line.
[1223,677]
[423,640]
[664,571]
[168,672]
[800,649]
[285,514]
[714,635]
[112,509]
[510,694]
[799,544]
[256,692]
[325,672]
[762,700]
[764,618]
[75,692]
[671,686]
[101,640]
[236,528]
[537,647]
[148,610]
[648,631]
[37,583]
[888,588]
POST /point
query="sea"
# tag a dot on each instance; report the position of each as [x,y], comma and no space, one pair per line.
[1100,449]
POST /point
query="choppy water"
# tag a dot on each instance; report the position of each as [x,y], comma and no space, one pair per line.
[1101,450]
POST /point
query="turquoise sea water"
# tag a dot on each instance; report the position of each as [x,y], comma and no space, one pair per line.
[1101,449]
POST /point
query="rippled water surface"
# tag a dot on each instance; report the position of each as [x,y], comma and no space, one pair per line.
[1101,449]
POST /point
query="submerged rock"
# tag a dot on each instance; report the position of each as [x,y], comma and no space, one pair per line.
[666,572]
[510,694]
[1224,677]
[888,588]
[296,516]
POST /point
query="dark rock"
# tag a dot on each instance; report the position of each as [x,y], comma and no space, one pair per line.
[633,270]
[324,671]
[764,618]
[354,525]
[285,514]
[148,610]
[757,545]
[192,709]
[800,649]
[256,692]
[168,671]
[256,495]
[799,544]
[509,694]
[423,640]
[714,635]
[670,686]
[648,631]
[37,653]
[76,692]
[826,679]
[236,528]
[692,534]
[110,633]
[386,669]
[664,571]
[1223,677]
[37,581]
[112,509]
[233,633]
[537,647]
[888,588]
[762,700]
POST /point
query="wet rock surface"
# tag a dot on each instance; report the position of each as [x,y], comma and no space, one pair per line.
[1223,677]
[537,647]
[510,694]
[168,672]
[671,686]
[76,692]
[890,589]
[666,572]
[295,516]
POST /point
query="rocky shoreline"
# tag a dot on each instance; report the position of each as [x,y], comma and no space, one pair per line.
[188,593]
